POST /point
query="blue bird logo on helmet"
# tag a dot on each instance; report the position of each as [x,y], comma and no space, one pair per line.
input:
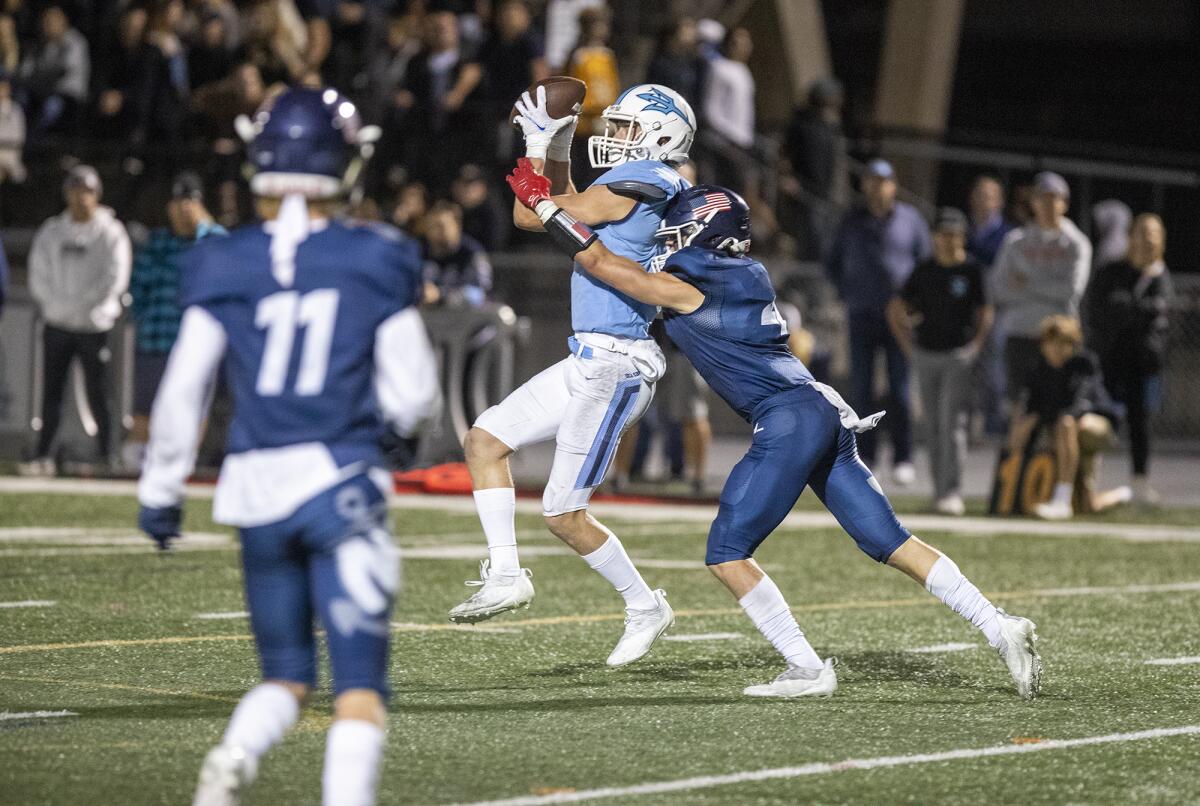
[707,216]
[306,141]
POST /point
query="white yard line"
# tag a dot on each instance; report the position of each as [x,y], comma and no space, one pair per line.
[1187,661]
[27,603]
[680,514]
[938,648]
[228,615]
[825,768]
[5,715]
[705,636]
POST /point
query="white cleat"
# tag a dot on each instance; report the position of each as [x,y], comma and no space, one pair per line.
[904,474]
[642,629]
[224,777]
[1018,650]
[799,682]
[1054,511]
[498,593]
[950,505]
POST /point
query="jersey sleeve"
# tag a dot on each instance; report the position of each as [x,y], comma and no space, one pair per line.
[643,180]
[204,276]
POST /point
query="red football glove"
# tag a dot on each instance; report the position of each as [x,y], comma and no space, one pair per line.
[529,185]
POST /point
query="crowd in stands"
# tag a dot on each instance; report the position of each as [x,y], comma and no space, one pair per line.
[984,300]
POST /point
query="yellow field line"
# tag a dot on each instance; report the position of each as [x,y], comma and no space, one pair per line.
[866,604]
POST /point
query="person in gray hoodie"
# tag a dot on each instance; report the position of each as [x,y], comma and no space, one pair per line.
[1042,270]
[79,267]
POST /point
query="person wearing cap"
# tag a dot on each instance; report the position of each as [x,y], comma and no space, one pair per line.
[875,250]
[155,291]
[1042,270]
[941,318]
[79,267]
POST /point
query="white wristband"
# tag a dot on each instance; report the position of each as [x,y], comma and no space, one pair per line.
[545,210]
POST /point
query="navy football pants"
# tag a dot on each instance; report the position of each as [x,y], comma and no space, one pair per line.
[799,440]
[333,557]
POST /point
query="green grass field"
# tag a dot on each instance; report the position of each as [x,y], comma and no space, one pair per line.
[525,706]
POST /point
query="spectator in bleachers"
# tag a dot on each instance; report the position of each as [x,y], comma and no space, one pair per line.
[988,224]
[163,89]
[814,166]
[12,135]
[593,62]
[210,58]
[986,234]
[562,29]
[457,270]
[79,267]
[1042,270]
[388,66]
[10,45]
[122,74]
[677,62]
[1062,391]
[875,250]
[412,203]
[941,318]
[55,73]
[275,38]
[512,58]
[438,127]
[728,113]
[1128,306]
[1111,221]
[154,288]
[482,217]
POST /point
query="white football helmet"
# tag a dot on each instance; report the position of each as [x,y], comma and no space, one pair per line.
[659,125]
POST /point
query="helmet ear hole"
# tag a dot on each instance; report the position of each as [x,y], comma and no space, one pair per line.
[662,141]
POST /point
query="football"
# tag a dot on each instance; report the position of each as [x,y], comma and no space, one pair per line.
[564,96]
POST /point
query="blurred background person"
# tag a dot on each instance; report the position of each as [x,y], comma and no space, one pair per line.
[593,62]
[12,135]
[988,229]
[1042,270]
[79,267]
[412,203]
[814,166]
[1111,220]
[457,270]
[728,115]
[482,216]
[55,74]
[941,317]
[512,58]
[1128,307]
[876,248]
[988,224]
[154,289]
[677,62]
[562,30]
[1062,392]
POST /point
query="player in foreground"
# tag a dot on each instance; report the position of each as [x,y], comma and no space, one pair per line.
[720,311]
[587,400]
[326,356]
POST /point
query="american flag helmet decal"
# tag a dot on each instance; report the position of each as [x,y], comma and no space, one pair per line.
[712,203]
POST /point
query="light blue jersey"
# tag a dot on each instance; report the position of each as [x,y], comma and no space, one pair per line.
[597,308]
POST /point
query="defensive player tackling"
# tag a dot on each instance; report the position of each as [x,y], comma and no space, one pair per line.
[719,309]
[586,401]
[325,355]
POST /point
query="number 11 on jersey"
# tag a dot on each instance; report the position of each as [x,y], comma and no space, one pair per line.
[281,315]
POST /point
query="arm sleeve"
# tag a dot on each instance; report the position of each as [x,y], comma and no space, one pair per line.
[180,407]
[39,269]
[1001,293]
[406,373]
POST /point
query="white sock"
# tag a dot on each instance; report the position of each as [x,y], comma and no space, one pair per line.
[1063,492]
[353,750]
[612,563]
[261,718]
[770,613]
[497,509]
[957,592]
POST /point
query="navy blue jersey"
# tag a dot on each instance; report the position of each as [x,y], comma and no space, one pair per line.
[736,340]
[300,358]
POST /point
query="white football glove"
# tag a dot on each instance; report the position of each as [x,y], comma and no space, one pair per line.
[545,137]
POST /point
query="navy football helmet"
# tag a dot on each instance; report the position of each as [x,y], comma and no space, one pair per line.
[306,141]
[707,216]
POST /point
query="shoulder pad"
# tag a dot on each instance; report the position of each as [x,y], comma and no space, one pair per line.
[634,189]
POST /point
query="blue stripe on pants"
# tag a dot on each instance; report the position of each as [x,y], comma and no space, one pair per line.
[603,447]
